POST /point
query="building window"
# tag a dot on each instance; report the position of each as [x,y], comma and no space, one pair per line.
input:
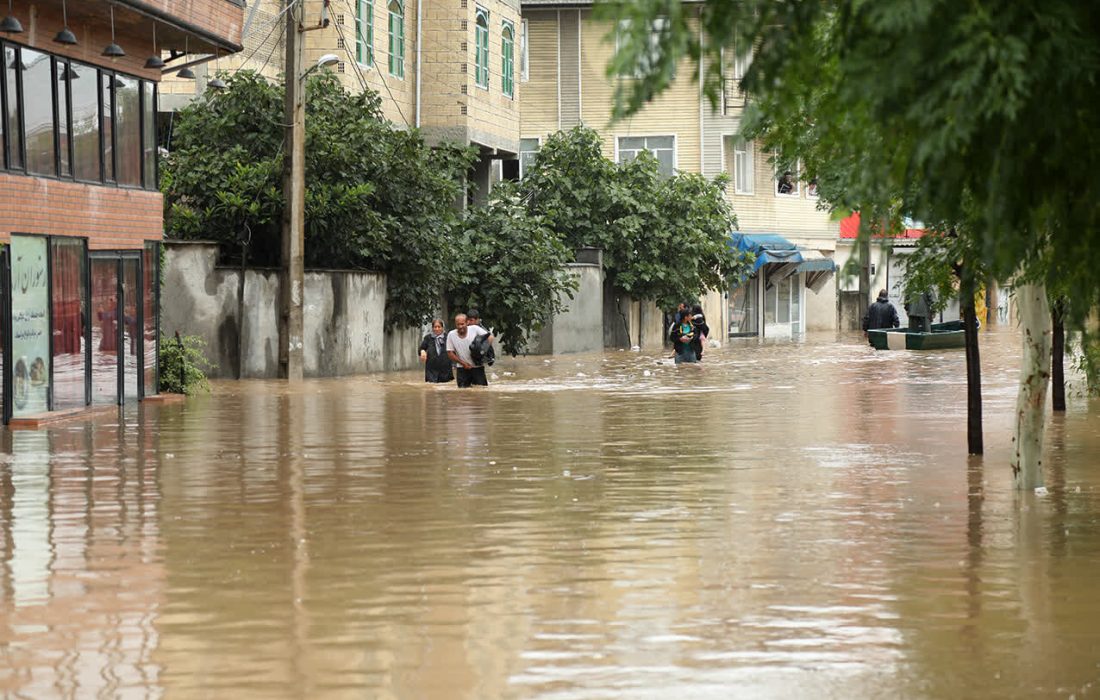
[507,59]
[741,167]
[663,149]
[742,59]
[811,189]
[523,51]
[786,177]
[528,149]
[364,32]
[38,113]
[481,44]
[9,87]
[128,149]
[150,266]
[648,57]
[85,115]
[397,39]
[60,118]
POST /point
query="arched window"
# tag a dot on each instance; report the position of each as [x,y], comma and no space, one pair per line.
[507,59]
[397,38]
[481,41]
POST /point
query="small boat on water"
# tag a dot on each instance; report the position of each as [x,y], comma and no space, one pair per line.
[943,335]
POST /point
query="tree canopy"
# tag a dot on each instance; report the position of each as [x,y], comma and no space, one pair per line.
[927,106]
[663,238]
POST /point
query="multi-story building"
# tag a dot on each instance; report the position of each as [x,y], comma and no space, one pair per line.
[80,214]
[565,57]
[447,67]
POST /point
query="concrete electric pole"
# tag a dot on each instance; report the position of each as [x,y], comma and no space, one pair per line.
[292,287]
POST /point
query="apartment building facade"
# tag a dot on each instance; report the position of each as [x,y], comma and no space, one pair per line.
[565,82]
[447,67]
[81,216]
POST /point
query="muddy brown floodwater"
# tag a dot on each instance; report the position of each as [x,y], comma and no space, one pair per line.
[782,521]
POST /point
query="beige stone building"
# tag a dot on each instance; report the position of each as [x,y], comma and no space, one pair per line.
[448,67]
[565,83]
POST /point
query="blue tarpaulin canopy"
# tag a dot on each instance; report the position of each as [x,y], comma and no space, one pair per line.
[769,248]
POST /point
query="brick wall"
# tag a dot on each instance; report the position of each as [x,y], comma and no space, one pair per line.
[111,217]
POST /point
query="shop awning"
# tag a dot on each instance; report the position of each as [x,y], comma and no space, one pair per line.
[817,268]
[769,249]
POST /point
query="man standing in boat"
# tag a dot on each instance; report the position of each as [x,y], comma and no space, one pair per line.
[919,309]
[881,314]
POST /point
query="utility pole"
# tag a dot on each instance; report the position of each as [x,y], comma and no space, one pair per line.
[292,279]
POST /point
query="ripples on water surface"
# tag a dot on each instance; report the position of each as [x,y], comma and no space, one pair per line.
[793,520]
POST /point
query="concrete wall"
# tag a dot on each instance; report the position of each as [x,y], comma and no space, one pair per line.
[580,327]
[344,316]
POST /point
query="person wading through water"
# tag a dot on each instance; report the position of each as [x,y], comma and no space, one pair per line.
[458,349]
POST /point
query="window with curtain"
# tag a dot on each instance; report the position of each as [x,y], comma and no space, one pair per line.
[82,80]
[507,59]
[10,117]
[68,315]
[397,39]
[364,32]
[742,168]
[38,120]
[481,44]
[128,146]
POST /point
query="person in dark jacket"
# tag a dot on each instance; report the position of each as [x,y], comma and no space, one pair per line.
[702,330]
[433,353]
[919,309]
[481,349]
[682,334]
[881,314]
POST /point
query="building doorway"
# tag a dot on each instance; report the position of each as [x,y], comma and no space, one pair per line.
[117,346]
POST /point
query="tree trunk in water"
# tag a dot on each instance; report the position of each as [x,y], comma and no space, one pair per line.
[1027,466]
[1058,352]
[973,371]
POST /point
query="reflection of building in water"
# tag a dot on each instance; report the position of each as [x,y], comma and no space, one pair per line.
[80,579]
[82,215]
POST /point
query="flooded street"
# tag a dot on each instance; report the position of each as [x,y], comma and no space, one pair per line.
[785,520]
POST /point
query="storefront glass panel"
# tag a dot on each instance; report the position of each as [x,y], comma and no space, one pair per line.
[108,125]
[770,295]
[61,82]
[742,308]
[131,298]
[796,302]
[30,325]
[68,278]
[105,309]
[783,301]
[11,102]
[149,315]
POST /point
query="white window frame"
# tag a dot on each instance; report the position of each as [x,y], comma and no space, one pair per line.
[538,146]
[524,58]
[675,149]
[653,54]
[796,169]
[480,12]
[364,40]
[741,62]
[744,157]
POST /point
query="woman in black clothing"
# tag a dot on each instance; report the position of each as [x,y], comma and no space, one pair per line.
[702,330]
[433,353]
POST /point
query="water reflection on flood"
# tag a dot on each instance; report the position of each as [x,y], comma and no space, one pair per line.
[781,521]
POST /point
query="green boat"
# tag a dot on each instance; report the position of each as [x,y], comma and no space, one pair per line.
[943,335]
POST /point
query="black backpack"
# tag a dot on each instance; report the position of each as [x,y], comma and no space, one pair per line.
[481,350]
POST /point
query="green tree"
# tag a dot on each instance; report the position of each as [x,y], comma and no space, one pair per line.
[663,238]
[988,104]
[511,265]
[377,197]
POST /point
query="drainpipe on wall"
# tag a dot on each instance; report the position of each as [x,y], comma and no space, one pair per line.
[419,23]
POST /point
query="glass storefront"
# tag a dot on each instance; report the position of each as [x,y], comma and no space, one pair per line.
[83,325]
[30,325]
[69,286]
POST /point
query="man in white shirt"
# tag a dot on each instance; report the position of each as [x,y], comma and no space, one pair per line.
[458,349]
